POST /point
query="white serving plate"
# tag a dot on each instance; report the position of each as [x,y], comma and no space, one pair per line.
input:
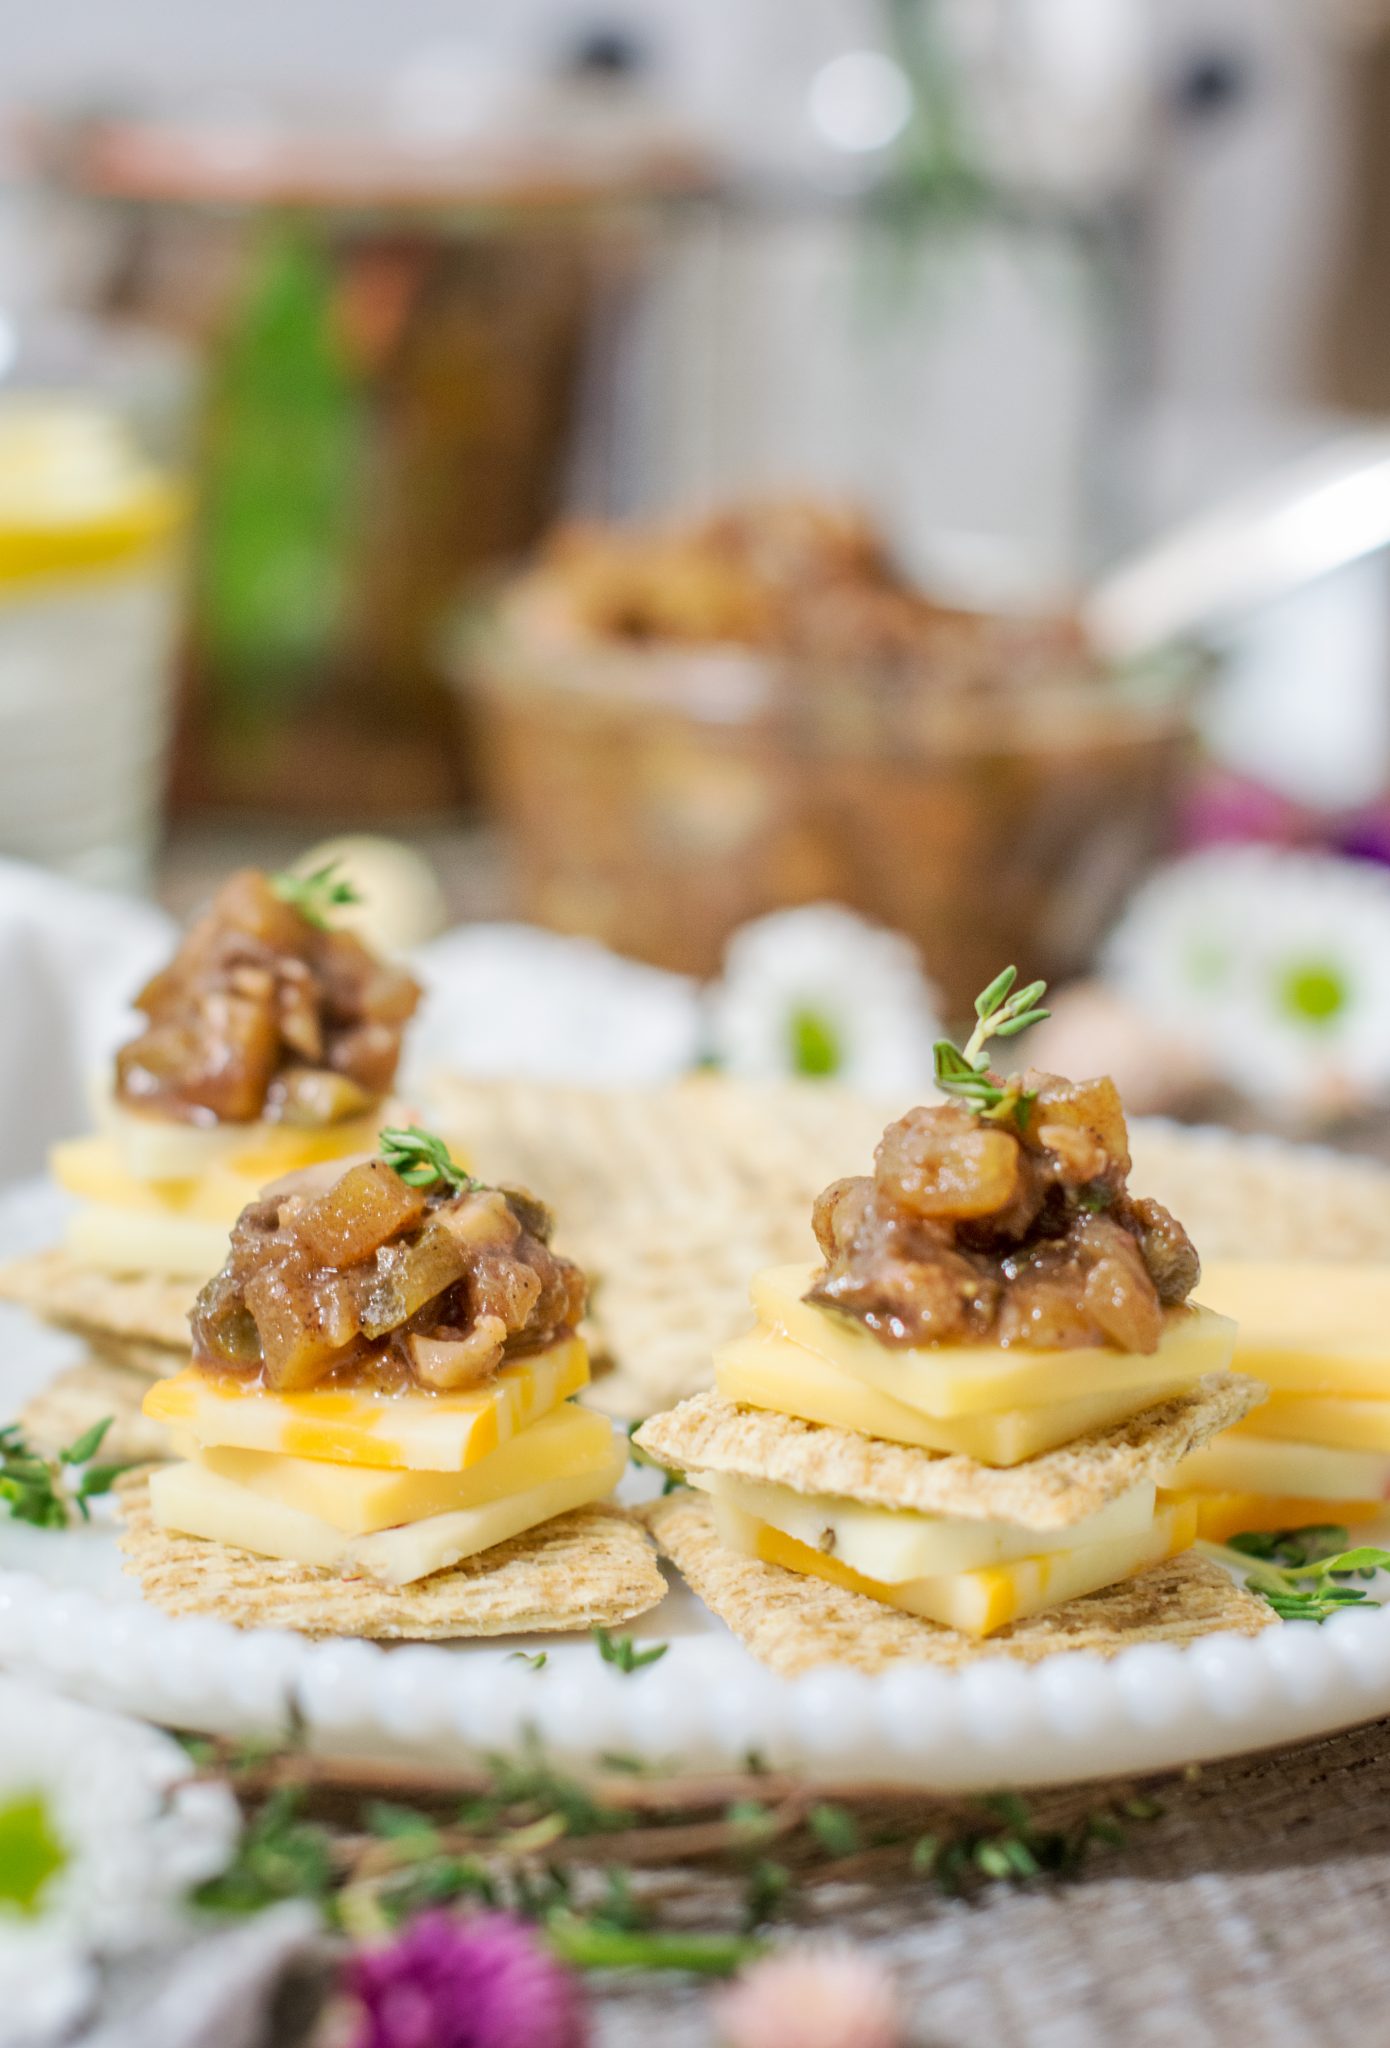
[69,1618]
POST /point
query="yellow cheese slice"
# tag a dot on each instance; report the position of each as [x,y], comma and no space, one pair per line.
[1241,1461]
[983,1379]
[189,1500]
[360,1499]
[766,1370]
[898,1545]
[121,1241]
[137,1156]
[1307,1328]
[1340,1419]
[417,1432]
[979,1602]
[1223,1515]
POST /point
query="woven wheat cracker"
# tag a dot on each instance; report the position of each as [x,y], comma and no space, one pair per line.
[1052,1491]
[138,1308]
[794,1624]
[587,1569]
[86,1394]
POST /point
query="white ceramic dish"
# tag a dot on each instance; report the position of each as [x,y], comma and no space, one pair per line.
[69,1618]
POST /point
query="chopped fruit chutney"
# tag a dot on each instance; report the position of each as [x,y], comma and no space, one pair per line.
[367,1277]
[266,1013]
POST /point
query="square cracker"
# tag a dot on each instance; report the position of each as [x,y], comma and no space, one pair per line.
[587,1569]
[794,1623]
[1052,1491]
[87,1393]
[135,1308]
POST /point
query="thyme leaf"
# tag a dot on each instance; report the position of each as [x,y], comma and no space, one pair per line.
[622,1652]
[315,895]
[39,1489]
[424,1161]
[1001,1011]
[1309,1584]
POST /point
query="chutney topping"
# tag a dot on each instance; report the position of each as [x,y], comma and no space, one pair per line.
[1013,1229]
[358,1278]
[266,1012]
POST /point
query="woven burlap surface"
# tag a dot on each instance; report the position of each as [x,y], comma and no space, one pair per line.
[1254,1910]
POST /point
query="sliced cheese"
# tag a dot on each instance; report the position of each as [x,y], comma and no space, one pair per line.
[122,1241]
[1223,1515]
[418,1432]
[1246,1462]
[898,1545]
[949,1380]
[145,1148]
[360,1499]
[767,1370]
[1340,1419]
[978,1602]
[190,1500]
[1307,1328]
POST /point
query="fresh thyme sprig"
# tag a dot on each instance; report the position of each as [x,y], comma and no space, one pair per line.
[315,895]
[1296,1571]
[624,1654]
[423,1161]
[1001,1011]
[38,1489]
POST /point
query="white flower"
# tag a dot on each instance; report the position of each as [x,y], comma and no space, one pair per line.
[101,1840]
[1276,963]
[511,1000]
[819,991]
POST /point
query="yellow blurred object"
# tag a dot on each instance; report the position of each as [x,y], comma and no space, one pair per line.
[400,901]
[76,495]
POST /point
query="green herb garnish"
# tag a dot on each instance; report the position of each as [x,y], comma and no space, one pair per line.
[423,1161]
[1001,1011]
[533,1660]
[315,895]
[624,1653]
[37,1489]
[1310,1582]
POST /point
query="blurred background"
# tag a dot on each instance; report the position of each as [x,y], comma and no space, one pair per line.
[669,462]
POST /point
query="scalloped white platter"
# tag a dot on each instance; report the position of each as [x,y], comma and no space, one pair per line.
[71,1619]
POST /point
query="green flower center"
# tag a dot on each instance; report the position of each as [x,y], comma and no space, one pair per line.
[814,1043]
[1313,992]
[30,1853]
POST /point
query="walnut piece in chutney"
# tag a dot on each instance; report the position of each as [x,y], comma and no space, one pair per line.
[973,1231]
[261,1013]
[362,1280]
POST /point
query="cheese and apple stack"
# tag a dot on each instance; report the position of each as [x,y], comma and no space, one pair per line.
[381,1376]
[1319,1449]
[963,1413]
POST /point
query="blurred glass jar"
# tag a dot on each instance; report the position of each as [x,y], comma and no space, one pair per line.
[656,797]
[92,511]
[398,297]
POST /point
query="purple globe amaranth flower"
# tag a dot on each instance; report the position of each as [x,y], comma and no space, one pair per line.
[484,1981]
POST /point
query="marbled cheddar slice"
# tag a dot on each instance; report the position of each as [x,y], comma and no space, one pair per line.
[894,1546]
[1241,1462]
[1305,1328]
[950,1380]
[765,1370]
[1223,1515]
[177,1246]
[418,1432]
[192,1501]
[979,1602]
[360,1499]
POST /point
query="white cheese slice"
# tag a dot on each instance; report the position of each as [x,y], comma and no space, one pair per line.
[1237,1462]
[189,1500]
[898,1545]
[767,1370]
[978,1602]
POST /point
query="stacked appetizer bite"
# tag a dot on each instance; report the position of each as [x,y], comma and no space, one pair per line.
[379,1403]
[270,1043]
[954,1429]
[1318,1451]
